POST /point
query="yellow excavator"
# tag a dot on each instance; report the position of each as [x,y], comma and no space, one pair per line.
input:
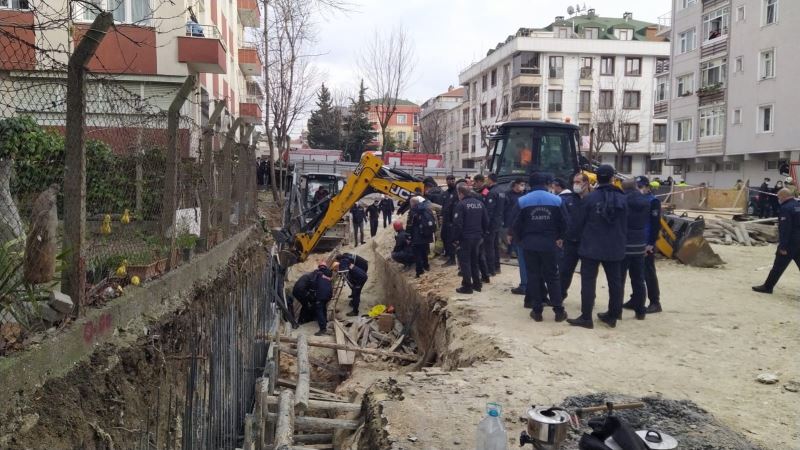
[371,176]
[519,148]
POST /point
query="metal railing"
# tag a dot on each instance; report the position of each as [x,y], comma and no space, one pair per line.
[196,30]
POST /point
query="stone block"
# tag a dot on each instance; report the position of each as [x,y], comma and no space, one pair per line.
[49,314]
[61,302]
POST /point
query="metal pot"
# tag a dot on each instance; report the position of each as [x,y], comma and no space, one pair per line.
[548,425]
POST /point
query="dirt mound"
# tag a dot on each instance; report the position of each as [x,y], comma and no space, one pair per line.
[692,426]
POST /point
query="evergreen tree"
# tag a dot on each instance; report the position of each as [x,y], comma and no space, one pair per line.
[358,129]
[324,125]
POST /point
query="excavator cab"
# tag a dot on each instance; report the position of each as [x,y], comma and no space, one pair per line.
[523,147]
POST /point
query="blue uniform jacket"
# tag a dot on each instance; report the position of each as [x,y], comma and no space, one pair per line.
[356,275]
[511,208]
[420,216]
[470,220]
[542,220]
[638,220]
[358,214]
[789,227]
[654,223]
[602,224]
[495,207]
[572,202]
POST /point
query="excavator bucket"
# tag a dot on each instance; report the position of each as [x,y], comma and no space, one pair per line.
[682,238]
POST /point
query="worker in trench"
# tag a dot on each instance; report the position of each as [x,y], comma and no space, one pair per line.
[356,278]
[402,251]
[788,240]
[422,230]
[314,290]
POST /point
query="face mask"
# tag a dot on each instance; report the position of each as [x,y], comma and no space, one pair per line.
[577,188]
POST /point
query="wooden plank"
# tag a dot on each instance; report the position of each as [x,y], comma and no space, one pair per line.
[318,438]
[313,391]
[345,358]
[317,362]
[249,428]
[284,430]
[321,424]
[337,346]
[326,405]
[303,375]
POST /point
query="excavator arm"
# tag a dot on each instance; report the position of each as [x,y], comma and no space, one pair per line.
[369,177]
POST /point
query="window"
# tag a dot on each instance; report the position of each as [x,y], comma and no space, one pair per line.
[770,165]
[731,166]
[770,11]
[416,137]
[624,35]
[562,32]
[631,131]
[556,67]
[662,65]
[683,130]
[14,4]
[493,107]
[484,83]
[474,117]
[494,77]
[586,68]
[124,11]
[505,106]
[483,111]
[606,99]
[554,101]
[685,85]
[416,119]
[662,89]
[468,164]
[737,116]
[653,166]
[591,33]
[465,118]
[631,100]
[402,119]
[506,73]
[714,72]
[606,65]
[464,143]
[529,63]
[740,14]
[739,64]
[765,119]
[525,97]
[686,41]
[660,133]
[687,3]
[605,131]
[627,164]
[585,129]
[585,102]
[474,143]
[715,23]
[633,67]
[712,122]
[402,137]
[767,64]
[474,90]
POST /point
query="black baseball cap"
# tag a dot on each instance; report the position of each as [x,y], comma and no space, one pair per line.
[642,181]
[605,172]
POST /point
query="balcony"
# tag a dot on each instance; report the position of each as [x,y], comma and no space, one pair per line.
[660,109]
[250,110]
[526,79]
[712,94]
[202,49]
[249,14]
[254,90]
[525,114]
[250,60]
[586,76]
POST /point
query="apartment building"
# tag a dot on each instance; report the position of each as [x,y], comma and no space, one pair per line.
[584,69]
[734,89]
[440,126]
[403,125]
[142,61]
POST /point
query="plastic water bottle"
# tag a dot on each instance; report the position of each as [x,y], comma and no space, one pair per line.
[491,434]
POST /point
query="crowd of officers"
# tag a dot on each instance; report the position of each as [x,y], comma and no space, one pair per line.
[549,227]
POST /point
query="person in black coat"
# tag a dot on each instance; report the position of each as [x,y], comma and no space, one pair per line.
[652,230]
[470,225]
[602,226]
[788,240]
[374,213]
[450,200]
[423,227]
[763,199]
[356,278]
[314,290]
[568,253]
[387,208]
[495,207]
[636,246]
[360,262]
[402,251]
[540,227]
[357,215]
[433,192]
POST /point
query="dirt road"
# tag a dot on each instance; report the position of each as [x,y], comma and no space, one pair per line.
[713,339]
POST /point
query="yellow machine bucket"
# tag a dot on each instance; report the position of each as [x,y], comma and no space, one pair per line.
[681,237]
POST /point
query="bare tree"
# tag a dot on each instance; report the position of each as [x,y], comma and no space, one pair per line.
[487,120]
[612,120]
[433,130]
[387,64]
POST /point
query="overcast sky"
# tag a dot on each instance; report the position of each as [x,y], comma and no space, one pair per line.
[448,35]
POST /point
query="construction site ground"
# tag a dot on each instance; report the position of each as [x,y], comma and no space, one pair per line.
[709,345]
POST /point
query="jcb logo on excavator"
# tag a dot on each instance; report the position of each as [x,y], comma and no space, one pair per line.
[405,194]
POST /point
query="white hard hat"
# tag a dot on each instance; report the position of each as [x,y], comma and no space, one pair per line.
[788,180]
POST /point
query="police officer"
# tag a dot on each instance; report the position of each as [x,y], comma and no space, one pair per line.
[387,208]
[540,227]
[356,278]
[450,199]
[788,240]
[480,191]
[432,191]
[651,230]
[402,251]
[512,209]
[568,254]
[602,226]
[495,206]
[470,224]
[357,216]
[314,290]
[359,261]
[374,213]
[635,246]
[423,227]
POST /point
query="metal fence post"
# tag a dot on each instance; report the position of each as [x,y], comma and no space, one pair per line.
[207,197]
[226,179]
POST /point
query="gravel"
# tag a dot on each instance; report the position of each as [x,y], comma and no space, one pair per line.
[692,426]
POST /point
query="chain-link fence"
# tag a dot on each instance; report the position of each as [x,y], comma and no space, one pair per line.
[167,173]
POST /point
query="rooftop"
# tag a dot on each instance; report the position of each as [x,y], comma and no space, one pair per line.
[400,102]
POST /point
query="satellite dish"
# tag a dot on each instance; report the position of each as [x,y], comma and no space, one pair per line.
[570,10]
